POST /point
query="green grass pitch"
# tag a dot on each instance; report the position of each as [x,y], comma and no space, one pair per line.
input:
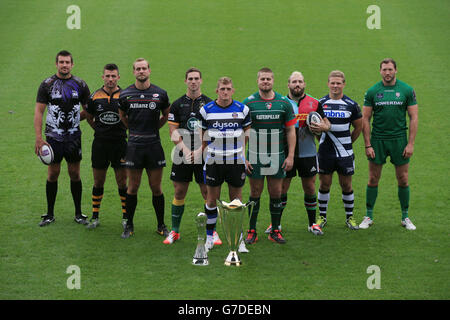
[232,38]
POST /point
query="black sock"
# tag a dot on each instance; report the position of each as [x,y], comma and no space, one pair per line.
[76,189]
[158,205]
[51,189]
[131,204]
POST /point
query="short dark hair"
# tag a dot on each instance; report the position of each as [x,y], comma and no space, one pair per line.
[192,69]
[64,53]
[265,70]
[111,67]
[388,60]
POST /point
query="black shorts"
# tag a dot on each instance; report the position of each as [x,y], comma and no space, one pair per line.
[305,167]
[183,172]
[145,156]
[344,166]
[69,150]
[233,174]
[106,152]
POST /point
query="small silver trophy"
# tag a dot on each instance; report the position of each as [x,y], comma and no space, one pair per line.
[200,255]
[231,216]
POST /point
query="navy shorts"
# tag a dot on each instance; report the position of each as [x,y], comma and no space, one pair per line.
[68,149]
[344,166]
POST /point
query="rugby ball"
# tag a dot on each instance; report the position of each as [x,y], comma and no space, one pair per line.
[313,117]
[46,154]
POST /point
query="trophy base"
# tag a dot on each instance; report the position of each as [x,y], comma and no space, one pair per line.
[200,261]
[233,259]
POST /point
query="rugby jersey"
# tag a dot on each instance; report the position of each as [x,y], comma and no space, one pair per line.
[225,130]
[337,142]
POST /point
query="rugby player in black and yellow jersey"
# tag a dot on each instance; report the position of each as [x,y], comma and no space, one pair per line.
[109,146]
[144,108]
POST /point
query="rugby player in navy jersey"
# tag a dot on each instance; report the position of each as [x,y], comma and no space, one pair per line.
[63,95]
[144,108]
[109,145]
[224,123]
[335,148]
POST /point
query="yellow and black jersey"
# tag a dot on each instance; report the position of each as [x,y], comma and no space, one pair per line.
[105,109]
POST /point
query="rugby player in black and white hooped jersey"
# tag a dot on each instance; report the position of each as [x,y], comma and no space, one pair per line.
[335,148]
[144,108]
[63,95]
[109,146]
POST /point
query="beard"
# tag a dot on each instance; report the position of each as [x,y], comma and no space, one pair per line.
[297,92]
[142,80]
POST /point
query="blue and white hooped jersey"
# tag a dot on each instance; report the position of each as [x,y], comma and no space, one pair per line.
[341,113]
[225,129]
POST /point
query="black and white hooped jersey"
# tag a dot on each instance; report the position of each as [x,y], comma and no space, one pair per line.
[341,113]
[143,108]
[64,99]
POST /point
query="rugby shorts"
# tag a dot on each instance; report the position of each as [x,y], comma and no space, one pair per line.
[68,149]
[145,156]
[233,174]
[304,167]
[344,166]
[390,147]
[106,152]
[183,172]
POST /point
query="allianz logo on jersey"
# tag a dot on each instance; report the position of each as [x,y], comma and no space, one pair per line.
[225,125]
[335,114]
[150,105]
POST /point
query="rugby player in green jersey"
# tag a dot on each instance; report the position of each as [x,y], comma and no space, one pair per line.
[272,121]
[388,101]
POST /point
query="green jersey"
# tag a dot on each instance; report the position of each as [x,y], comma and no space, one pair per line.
[269,119]
[389,105]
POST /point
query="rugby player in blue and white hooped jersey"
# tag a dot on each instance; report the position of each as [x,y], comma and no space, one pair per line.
[335,148]
[224,123]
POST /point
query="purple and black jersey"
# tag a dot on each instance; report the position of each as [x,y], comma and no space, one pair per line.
[64,98]
[143,108]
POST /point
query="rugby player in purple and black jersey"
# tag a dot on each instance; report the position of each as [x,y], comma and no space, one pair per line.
[335,148]
[144,108]
[63,95]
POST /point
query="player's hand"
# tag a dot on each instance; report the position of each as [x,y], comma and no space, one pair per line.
[188,155]
[38,145]
[197,156]
[248,166]
[408,152]
[288,164]
[370,153]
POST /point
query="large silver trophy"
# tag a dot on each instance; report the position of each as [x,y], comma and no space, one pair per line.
[200,255]
[231,216]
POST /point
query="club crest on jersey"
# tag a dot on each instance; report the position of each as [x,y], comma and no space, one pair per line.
[397,94]
[380,95]
[268,105]
[234,115]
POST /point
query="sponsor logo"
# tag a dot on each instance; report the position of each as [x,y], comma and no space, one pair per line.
[152,106]
[171,117]
[335,114]
[193,123]
[225,125]
[109,118]
[267,116]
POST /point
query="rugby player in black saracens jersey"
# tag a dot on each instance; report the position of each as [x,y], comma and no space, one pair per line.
[63,95]
[140,108]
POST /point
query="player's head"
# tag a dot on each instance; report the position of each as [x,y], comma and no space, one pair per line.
[265,80]
[388,69]
[64,63]
[296,84]
[193,79]
[225,89]
[336,83]
[141,69]
[110,75]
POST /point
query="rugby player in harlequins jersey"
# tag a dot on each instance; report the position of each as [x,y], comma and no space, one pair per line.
[144,108]
[63,95]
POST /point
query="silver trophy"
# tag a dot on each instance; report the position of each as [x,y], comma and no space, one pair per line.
[200,255]
[231,216]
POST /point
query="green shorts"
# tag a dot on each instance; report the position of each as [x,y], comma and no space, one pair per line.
[393,148]
[272,169]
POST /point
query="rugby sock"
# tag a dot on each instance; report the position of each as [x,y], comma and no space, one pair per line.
[371,197]
[349,202]
[177,213]
[97,196]
[275,212]
[253,213]
[131,203]
[211,213]
[403,196]
[323,197]
[76,189]
[158,205]
[283,202]
[51,189]
[310,201]
[123,201]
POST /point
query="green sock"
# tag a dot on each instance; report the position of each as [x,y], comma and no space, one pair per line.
[253,213]
[371,197]
[275,212]
[177,213]
[403,196]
